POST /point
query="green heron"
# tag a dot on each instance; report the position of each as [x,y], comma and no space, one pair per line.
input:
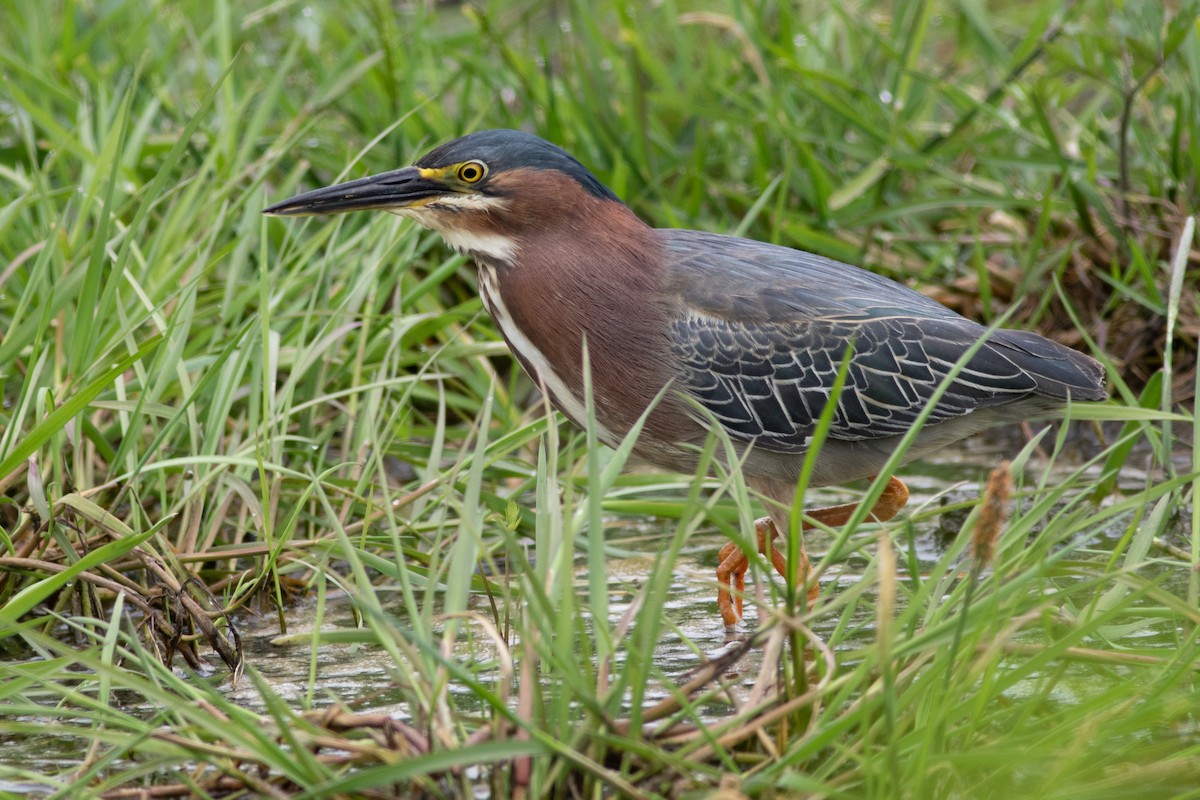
[747,335]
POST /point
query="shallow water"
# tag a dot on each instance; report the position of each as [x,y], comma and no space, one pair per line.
[363,678]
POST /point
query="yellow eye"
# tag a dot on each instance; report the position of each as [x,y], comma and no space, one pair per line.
[471,171]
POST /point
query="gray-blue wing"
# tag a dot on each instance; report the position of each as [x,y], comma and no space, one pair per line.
[758,333]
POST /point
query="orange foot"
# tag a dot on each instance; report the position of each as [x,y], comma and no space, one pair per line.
[731,572]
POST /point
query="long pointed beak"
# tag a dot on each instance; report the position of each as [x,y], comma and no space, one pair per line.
[400,188]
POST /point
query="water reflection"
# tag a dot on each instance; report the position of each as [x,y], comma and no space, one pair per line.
[693,630]
[364,678]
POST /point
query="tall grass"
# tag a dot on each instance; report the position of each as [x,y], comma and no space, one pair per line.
[207,414]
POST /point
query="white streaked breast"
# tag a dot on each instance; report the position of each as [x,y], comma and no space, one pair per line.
[549,381]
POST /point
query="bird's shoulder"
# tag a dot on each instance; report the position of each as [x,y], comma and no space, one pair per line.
[746,280]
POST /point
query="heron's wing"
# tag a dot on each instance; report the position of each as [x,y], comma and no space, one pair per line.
[758,333]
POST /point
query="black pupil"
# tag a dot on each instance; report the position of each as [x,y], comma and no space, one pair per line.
[470,173]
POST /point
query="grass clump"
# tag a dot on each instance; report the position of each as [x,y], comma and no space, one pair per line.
[207,416]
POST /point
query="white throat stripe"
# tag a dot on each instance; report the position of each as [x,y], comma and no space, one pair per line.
[445,215]
[493,246]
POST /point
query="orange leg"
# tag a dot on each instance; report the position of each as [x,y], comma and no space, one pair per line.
[731,572]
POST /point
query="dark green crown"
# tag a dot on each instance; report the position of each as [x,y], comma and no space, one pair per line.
[503,150]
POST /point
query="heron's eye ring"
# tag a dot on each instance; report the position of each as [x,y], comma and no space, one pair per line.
[471,171]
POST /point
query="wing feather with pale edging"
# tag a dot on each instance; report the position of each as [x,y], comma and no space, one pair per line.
[758,333]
